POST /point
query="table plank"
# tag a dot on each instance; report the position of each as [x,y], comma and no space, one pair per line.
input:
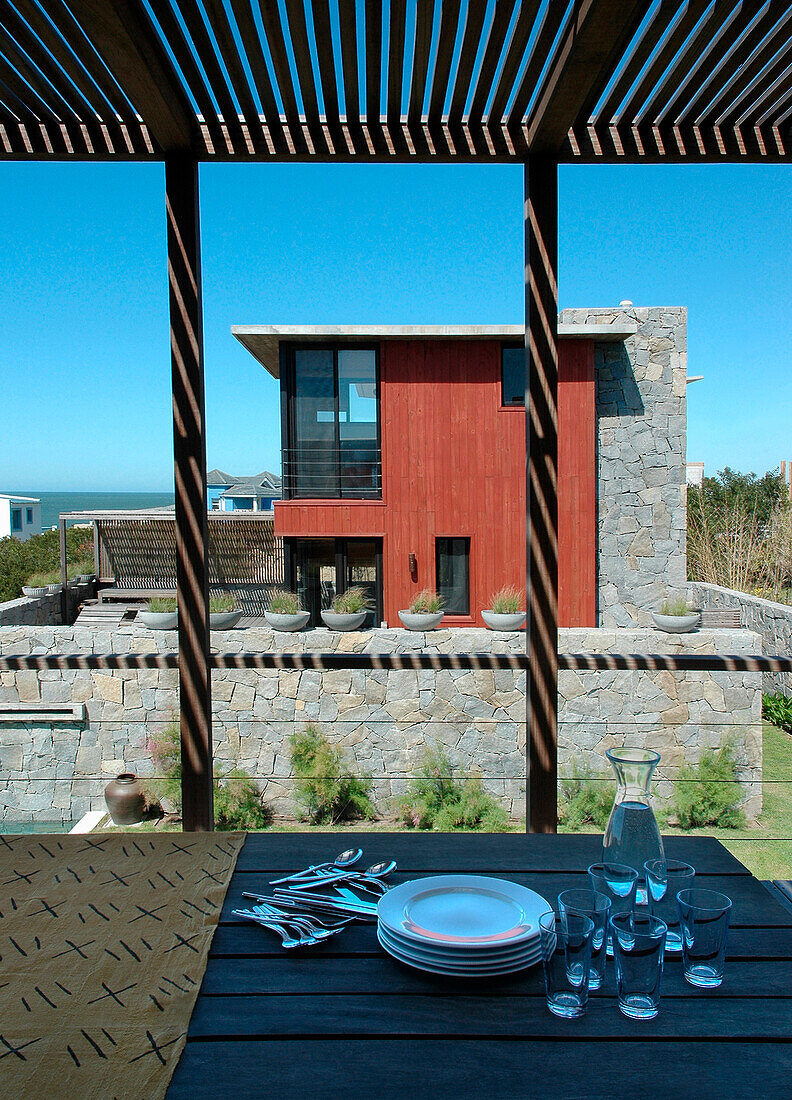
[465,852]
[596,1069]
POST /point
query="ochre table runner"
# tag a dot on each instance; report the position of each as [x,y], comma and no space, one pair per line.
[103,945]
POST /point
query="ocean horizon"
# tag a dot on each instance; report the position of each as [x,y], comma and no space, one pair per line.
[52,504]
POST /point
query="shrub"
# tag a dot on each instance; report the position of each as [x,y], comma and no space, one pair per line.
[160,604]
[778,710]
[426,602]
[327,794]
[41,580]
[352,602]
[707,793]
[39,554]
[237,800]
[507,601]
[284,603]
[585,799]
[678,606]
[437,799]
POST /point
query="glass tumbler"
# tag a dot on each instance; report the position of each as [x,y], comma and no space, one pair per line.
[597,908]
[618,882]
[638,950]
[664,879]
[566,957]
[704,916]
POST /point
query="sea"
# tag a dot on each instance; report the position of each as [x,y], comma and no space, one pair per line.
[52,504]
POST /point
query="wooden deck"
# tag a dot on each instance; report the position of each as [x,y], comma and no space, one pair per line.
[345,1020]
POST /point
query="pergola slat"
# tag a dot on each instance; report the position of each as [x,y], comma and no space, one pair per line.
[768,64]
[298,32]
[424,17]
[258,68]
[397,29]
[477,10]
[501,18]
[327,73]
[449,21]
[685,66]
[349,59]
[551,21]
[271,22]
[767,90]
[514,55]
[373,12]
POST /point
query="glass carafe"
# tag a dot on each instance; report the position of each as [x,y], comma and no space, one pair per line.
[632,835]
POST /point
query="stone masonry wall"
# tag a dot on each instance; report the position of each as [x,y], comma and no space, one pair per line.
[51,768]
[641,441]
[44,610]
[773,621]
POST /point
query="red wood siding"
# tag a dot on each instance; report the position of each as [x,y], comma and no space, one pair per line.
[453,461]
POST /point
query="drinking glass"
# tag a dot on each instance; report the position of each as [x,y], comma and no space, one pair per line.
[618,882]
[638,949]
[597,908]
[566,957]
[704,916]
[664,879]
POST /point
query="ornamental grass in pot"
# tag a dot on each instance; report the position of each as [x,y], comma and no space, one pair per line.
[223,611]
[425,612]
[160,613]
[36,585]
[284,611]
[506,612]
[349,609]
[676,617]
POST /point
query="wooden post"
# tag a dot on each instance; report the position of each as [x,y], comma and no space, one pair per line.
[64,573]
[189,455]
[541,430]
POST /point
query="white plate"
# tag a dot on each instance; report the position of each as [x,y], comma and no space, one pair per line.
[461,958]
[455,971]
[524,958]
[462,911]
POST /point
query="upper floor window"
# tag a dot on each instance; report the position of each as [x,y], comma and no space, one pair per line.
[513,374]
[331,433]
[29,514]
[16,519]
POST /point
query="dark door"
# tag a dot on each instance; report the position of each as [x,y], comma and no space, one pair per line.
[320,568]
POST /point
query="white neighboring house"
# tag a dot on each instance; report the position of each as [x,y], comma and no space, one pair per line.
[694,473]
[20,517]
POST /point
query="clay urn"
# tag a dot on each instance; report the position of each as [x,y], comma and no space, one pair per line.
[125,799]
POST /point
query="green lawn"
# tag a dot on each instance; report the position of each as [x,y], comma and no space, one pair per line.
[765,848]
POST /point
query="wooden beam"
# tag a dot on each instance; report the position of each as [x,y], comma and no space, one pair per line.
[581,67]
[124,38]
[189,455]
[541,432]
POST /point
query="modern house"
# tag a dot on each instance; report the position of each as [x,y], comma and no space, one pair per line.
[20,517]
[404,462]
[226,493]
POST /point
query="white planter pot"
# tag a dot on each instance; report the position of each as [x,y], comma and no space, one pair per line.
[158,620]
[338,620]
[31,592]
[503,622]
[676,624]
[224,620]
[421,620]
[52,589]
[287,622]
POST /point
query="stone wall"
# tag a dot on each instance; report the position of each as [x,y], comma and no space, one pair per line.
[773,621]
[44,610]
[641,441]
[381,718]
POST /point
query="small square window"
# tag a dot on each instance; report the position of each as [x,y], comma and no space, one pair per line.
[29,516]
[452,562]
[513,374]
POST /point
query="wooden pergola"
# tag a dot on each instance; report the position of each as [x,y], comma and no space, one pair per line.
[537,83]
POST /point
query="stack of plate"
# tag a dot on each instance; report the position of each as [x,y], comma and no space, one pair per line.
[462,925]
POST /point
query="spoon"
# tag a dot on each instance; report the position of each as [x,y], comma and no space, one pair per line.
[344,859]
[372,875]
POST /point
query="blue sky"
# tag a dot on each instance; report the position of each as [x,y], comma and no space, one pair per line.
[84,355]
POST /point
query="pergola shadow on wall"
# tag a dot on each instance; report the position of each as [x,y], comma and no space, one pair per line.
[537,83]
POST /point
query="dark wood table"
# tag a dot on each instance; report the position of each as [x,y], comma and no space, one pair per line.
[345,1020]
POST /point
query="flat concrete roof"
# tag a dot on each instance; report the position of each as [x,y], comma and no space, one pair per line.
[263,341]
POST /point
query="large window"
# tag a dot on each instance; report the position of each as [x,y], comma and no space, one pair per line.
[16,519]
[332,423]
[452,560]
[319,569]
[513,374]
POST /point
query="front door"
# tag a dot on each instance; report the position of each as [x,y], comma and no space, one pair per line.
[321,568]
